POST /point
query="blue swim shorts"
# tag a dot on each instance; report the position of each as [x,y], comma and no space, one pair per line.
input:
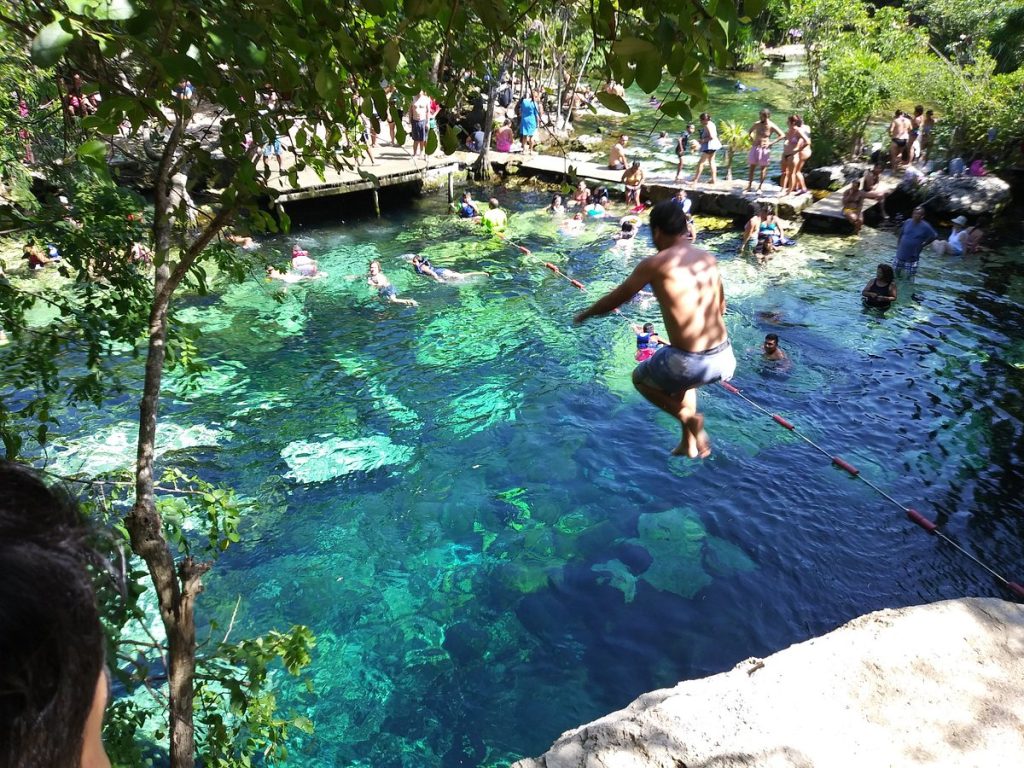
[672,370]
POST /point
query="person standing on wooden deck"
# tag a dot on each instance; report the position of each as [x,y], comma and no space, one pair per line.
[761,150]
[709,145]
[419,115]
[688,287]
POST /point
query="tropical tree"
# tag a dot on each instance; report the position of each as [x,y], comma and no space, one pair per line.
[316,56]
[735,138]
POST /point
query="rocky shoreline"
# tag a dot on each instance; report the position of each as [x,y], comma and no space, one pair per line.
[930,685]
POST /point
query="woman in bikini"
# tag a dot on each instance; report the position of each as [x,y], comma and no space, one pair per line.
[790,148]
[803,154]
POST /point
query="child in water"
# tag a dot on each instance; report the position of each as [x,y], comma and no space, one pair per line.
[647,341]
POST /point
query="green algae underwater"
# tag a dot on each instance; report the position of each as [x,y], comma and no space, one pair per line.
[477,516]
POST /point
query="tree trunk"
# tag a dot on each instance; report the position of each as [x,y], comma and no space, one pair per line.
[176,586]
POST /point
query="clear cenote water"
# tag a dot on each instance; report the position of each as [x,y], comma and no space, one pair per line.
[477,515]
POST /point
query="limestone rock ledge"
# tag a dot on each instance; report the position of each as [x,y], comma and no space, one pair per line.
[931,685]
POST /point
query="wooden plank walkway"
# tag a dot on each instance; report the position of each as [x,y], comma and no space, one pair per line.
[826,215]
[726,198]
[393,165]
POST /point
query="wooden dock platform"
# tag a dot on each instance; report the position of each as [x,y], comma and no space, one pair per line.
[395,165]
[826,215]
[726,198]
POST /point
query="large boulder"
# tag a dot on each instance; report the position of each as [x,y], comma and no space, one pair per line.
[934,685]
[834,176]
[948,196]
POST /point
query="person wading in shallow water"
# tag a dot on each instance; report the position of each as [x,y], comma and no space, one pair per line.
[688,287]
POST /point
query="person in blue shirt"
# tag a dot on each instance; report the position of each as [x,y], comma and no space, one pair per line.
[467,208]
[914,235]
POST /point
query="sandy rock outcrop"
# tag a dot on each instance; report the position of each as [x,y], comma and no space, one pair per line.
[932,685]
[949,196]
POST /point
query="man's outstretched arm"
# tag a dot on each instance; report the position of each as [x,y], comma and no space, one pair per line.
[618,296]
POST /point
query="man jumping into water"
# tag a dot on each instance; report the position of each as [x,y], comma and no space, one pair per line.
[689,290]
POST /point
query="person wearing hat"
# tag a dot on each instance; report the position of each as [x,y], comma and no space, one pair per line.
[955,244]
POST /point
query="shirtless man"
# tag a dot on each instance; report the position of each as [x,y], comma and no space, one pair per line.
[689,290]
[760,154]
[633,178]
[899,130]
[853,205]
[617,158]
[771,348]
[419,114]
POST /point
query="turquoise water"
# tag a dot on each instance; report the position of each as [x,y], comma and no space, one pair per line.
[478,517]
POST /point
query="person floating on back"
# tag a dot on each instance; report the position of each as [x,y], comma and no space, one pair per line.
[689,290]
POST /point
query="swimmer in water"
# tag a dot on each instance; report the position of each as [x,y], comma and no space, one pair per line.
[627,229]
[573,226]
[301,263]
[647,341]
[385,290]
[423,267]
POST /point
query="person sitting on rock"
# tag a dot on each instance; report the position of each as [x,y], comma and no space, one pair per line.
[853,205]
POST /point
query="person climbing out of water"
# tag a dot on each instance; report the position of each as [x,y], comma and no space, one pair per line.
[752,227]
[633,178]
[685,204]
[423,267]
[647,341]
[689,290]
[385,290]
[494,219]
[881,292]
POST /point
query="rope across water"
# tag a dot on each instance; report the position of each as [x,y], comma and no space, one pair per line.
[911,513]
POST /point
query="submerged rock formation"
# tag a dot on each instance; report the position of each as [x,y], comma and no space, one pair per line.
[939,685]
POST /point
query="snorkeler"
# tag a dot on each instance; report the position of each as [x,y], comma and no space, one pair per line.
[385,290]
[689,289]
[423,267]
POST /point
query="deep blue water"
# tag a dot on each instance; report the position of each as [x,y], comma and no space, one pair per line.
[479,518]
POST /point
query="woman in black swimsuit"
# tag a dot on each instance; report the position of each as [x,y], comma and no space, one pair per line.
[881,292]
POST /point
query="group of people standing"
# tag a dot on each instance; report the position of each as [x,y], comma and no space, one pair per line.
[796,151]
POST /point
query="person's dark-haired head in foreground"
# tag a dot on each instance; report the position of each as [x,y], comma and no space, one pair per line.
[53,685]
[668,219]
